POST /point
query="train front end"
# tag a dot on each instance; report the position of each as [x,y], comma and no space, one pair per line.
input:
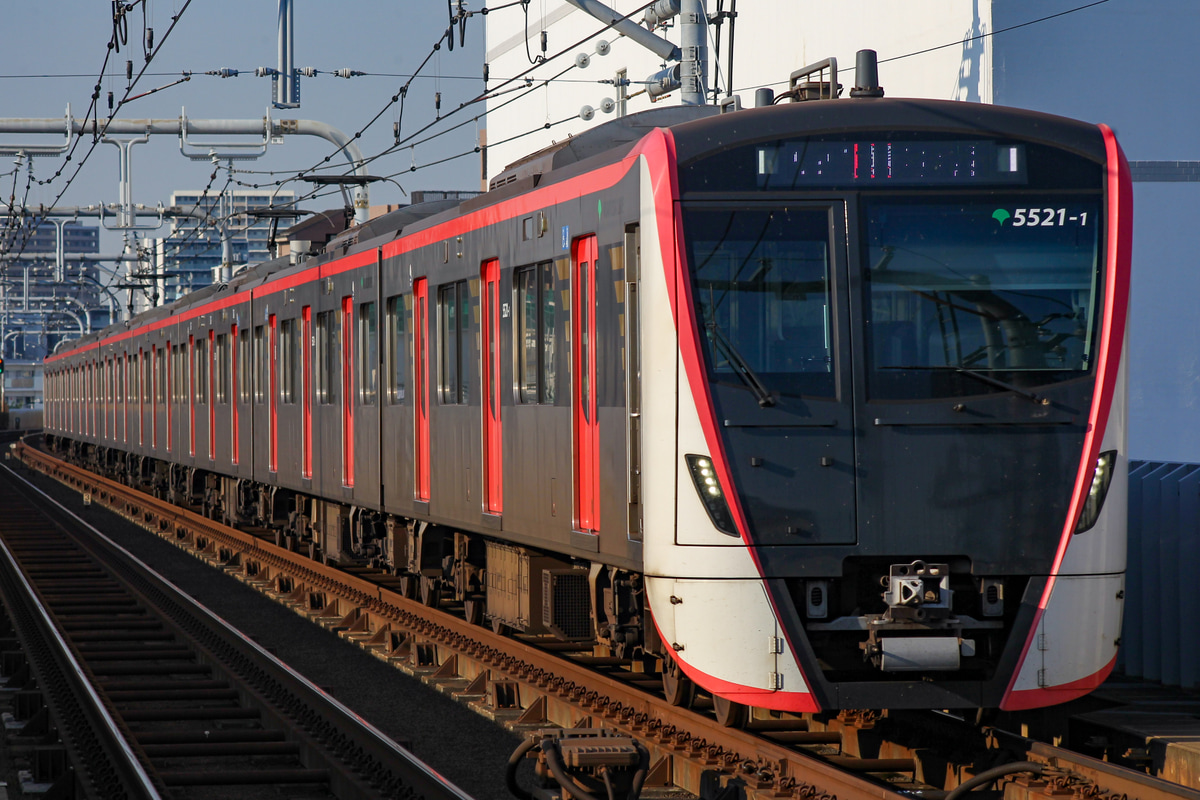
[895,467]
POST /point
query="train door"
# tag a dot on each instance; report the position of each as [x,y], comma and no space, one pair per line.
[493,455]
[236,357]
[421,389]
[212,393]
[273,394]
[306,454]
[347,348]
[366,432]
[190,389]
[585,425]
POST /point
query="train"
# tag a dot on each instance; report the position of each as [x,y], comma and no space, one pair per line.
[811,406]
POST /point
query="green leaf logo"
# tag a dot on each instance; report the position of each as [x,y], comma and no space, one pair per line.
[1000,215]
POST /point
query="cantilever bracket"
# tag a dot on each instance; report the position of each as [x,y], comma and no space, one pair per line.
[224,151]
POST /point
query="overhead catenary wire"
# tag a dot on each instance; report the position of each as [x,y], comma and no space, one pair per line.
[97,133]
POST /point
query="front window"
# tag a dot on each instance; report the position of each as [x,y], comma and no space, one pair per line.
[1004,285]
[762,284]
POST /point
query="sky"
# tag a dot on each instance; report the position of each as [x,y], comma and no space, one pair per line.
[53,52]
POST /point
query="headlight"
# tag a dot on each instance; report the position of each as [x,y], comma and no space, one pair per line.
[1101,478]
[704,475]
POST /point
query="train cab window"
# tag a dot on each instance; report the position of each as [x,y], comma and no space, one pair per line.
[328,343]
[260,364]
[761,278]
[961,294]
[244,364]
[288,352]
[221,365]
[368,354]
[397,348]
[200,354]
[536,305]
[454,308]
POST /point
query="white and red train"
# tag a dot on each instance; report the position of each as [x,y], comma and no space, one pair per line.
[820,404]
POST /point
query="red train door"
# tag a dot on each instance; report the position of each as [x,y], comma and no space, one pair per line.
[193,361]
[493,453]
[305,356]
[421,388]
[272,410]
[347,329]
[165,388]
[233,394]
[586,427]
[212,395]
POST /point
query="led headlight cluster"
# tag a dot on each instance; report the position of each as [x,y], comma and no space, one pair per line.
[1101,478]
[704,475]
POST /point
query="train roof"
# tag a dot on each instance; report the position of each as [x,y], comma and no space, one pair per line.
[711,134]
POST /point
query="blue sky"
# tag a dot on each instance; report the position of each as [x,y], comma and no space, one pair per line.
[388,40]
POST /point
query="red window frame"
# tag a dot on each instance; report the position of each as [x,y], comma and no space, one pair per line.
[212,395]
[235,445]
[272,408]
[585,425]
[493,442]
[347,333]
[420,330]
[169,367]
[191,394]
[305,356]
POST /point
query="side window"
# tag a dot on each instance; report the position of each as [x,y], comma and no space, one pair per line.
[244,362]
[221,365]
[160,371]
[287,360]
[327,356]
[397,348]
[537,306]
[368,354]
[201,372]
[454,307]
[260,364]
[528,342]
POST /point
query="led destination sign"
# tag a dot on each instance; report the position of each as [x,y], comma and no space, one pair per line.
[867,163]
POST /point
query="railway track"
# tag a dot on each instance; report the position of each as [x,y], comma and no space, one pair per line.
[530,684]
[153,696]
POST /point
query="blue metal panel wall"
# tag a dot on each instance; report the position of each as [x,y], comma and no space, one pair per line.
[1161,634]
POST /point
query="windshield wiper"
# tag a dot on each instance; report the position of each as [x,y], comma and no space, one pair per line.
[985,378]
[743,370]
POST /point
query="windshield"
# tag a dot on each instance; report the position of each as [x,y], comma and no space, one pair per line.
[1005,286]
[761,278]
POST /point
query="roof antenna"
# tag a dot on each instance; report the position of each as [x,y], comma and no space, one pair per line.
[866,75]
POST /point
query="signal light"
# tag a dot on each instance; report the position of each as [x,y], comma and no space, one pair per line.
[1,366]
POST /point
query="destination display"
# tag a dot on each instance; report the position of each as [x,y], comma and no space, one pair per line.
[879,162]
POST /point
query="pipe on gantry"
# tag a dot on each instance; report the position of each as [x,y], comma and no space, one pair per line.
[184,126]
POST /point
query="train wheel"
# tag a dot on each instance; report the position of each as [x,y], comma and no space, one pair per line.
[431,593]
[678,688]
[728,713]
[408,585]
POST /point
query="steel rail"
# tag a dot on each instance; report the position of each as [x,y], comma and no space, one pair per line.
[118,772]
[276,685]
[689,743]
